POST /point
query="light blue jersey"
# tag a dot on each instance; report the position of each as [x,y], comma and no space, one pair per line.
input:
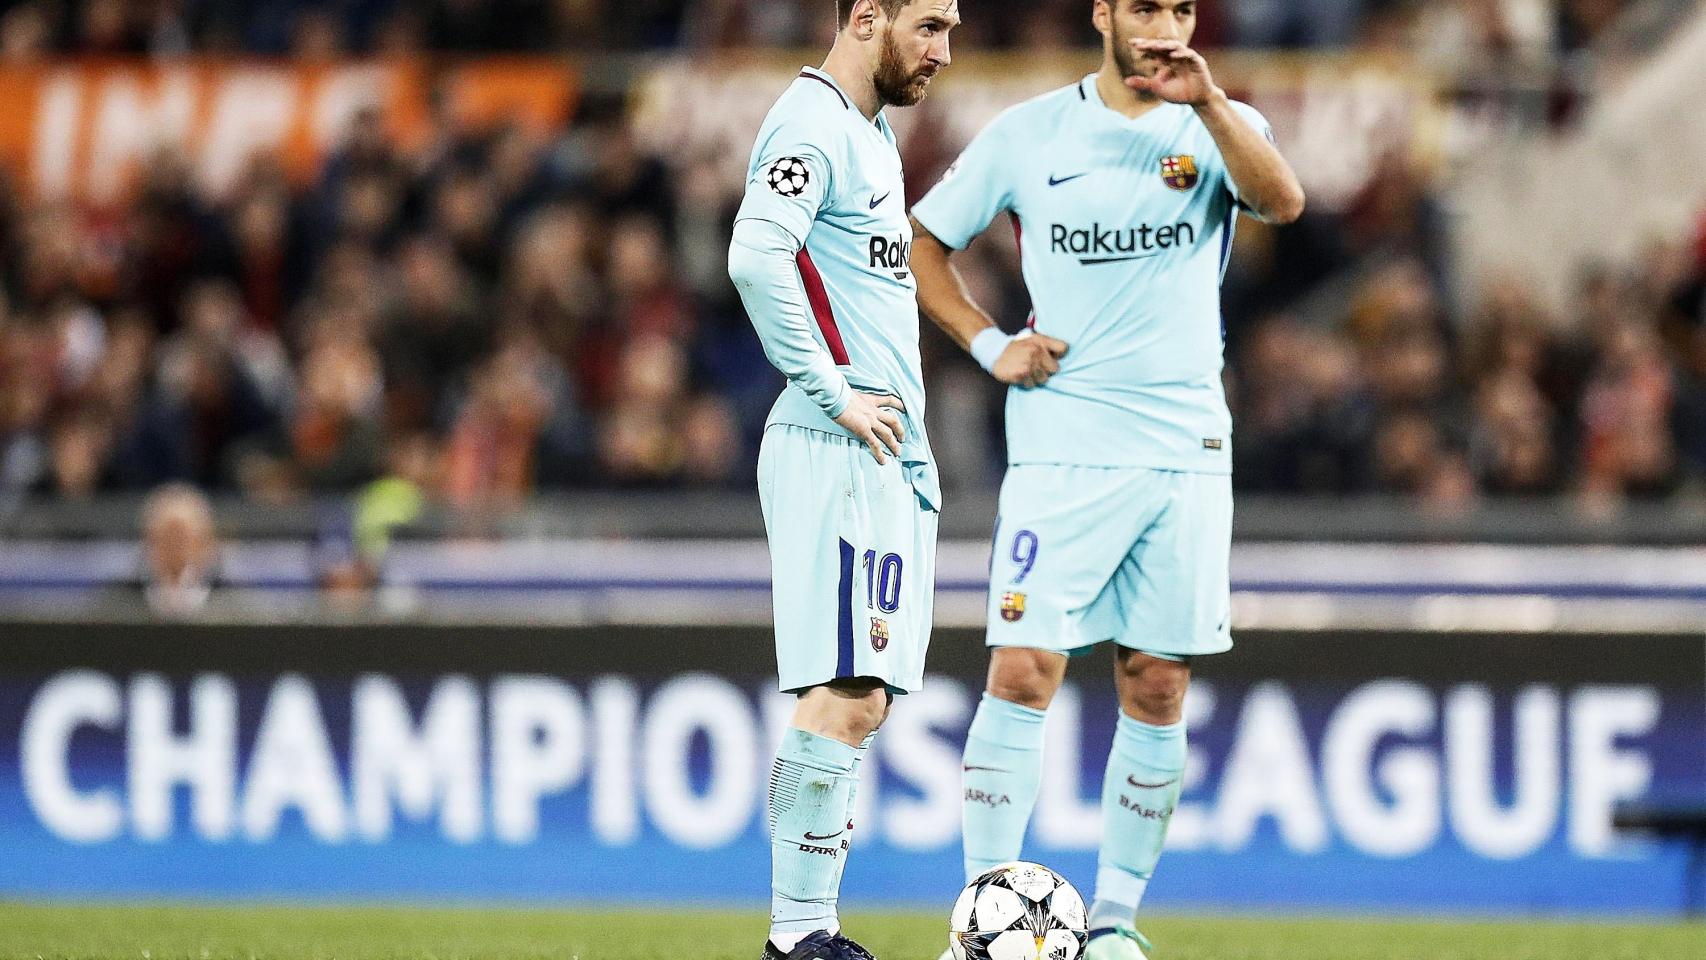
[832,180]
[1125,227]
[822,257]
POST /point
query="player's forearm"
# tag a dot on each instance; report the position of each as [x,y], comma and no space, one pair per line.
[762,268]
[942,292]
[1266,183]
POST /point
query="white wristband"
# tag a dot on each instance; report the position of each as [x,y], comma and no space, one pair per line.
[987,346]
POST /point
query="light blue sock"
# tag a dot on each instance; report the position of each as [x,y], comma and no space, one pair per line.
[852,804]
[1146,770]
[1003,771]
[811,787]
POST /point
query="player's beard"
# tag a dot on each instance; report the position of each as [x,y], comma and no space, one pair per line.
[897,84]
[1130,62]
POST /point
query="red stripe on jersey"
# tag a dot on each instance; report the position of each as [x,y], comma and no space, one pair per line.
[1019,241]
[818,297]
[832,88]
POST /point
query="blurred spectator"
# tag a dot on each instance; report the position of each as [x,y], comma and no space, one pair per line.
[642,441]
[180,550]
[398,499]
[1627,447]
[332,441]
[520,411]
[1484,37]
[551,287]
[1305,416]
[710,440]
[345,574]
[1512,443]
[432,334]
[80,447]
[1295,23]
[26,33]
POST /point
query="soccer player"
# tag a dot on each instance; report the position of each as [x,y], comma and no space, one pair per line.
[1116,511]
[821,255]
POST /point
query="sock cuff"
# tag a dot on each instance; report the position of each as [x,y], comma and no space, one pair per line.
[825,754]
[1118,895]
[1131,728]
[1006,723]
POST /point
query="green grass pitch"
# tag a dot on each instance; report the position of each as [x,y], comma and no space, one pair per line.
[167,932]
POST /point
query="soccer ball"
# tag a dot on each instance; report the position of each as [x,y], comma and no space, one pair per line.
[1018,911]
[789,176]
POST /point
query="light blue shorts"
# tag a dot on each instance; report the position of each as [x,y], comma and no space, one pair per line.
[1089,554]
[852,561]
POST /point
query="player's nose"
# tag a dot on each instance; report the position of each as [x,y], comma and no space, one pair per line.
[939,53]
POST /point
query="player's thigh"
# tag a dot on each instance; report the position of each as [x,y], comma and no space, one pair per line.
[1174,590]
[890,544]
[852,553]
[1061,535]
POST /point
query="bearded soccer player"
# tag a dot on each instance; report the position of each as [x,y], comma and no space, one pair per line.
[1116,512]
[820,254]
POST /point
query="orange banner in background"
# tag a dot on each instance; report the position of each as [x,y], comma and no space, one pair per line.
[86,129]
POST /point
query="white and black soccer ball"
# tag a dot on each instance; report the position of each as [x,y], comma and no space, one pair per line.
[789,176]
[1018,911]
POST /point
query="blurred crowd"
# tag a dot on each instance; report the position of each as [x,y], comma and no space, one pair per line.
[1398,392]
[486,315]
[492,313]
[322,28]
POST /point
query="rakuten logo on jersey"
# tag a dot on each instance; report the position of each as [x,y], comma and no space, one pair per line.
[893,254]
[1098,244]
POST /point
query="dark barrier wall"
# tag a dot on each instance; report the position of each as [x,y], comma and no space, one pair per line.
[1335,770]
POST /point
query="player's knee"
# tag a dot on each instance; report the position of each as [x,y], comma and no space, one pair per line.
[1159,700]
[1153,690]
[1028,678]
[848,711]
[1159,706]
[863,715]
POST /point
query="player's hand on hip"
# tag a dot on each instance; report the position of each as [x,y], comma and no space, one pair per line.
[1183,76]
[1029,360]
[873,418]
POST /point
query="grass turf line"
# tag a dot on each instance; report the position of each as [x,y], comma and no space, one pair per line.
[166,932]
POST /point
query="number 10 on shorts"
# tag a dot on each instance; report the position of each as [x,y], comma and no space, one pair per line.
[882,580]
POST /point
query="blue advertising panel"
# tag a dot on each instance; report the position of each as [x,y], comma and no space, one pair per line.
[1337,771]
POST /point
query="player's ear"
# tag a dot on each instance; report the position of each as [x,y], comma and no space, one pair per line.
[1101,14]
[863,19]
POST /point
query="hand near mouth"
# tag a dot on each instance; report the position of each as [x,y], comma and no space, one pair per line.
[1182,77]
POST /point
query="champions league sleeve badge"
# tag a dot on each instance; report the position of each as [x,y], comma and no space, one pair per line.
[1179,171]
[789,177]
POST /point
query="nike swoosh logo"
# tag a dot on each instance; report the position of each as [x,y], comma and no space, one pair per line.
[1150,786]
[827,836]
[1095,261]
[880,199]
[990,769]
[1055,181]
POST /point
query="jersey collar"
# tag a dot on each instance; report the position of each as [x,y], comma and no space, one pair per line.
[813,73]
[1089,94]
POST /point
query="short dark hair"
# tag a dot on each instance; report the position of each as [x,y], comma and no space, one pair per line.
[890,8]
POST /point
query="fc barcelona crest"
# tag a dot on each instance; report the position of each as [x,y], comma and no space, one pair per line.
[879,634]
[1179,171]
[1012,606]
